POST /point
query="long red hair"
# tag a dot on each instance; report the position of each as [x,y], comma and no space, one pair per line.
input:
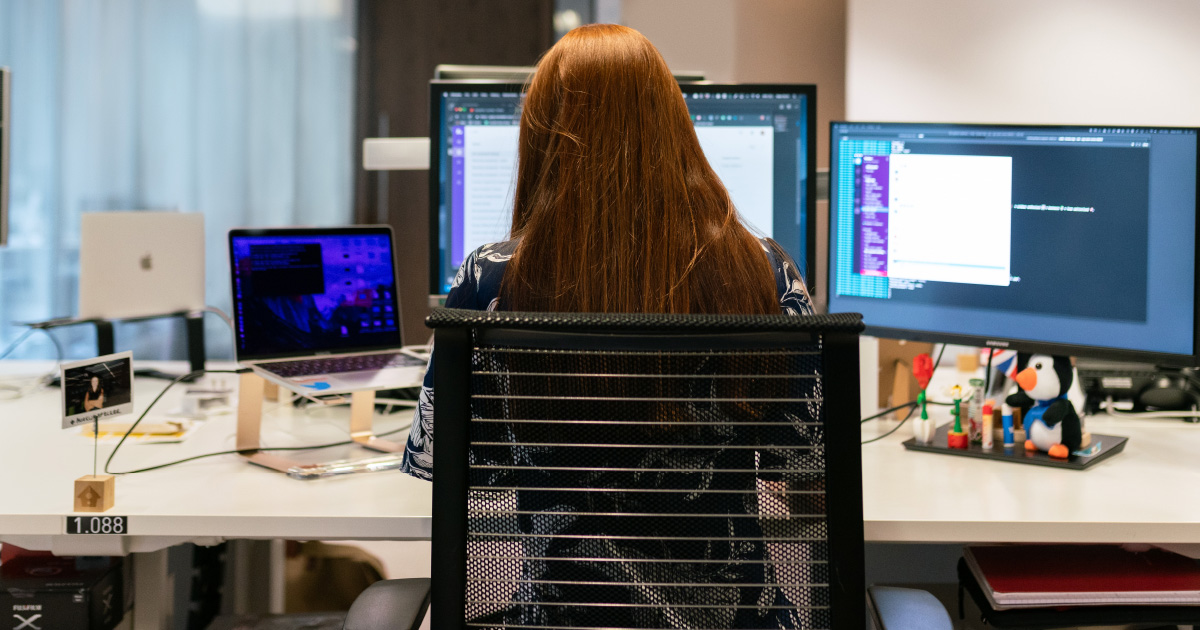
[616,207]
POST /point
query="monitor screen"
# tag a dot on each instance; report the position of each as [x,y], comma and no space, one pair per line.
[1071,240]
[758,138]
[308,291]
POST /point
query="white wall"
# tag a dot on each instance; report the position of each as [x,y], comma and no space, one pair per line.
[690,34]
[1108,62]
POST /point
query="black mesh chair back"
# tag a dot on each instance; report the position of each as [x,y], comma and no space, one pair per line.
[646,471]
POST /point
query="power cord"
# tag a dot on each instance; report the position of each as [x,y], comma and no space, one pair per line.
[912,406]
[193,375]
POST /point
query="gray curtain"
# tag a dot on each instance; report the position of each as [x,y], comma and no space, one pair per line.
[239,109]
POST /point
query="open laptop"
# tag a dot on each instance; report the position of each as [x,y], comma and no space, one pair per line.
[315,309]
[137,264]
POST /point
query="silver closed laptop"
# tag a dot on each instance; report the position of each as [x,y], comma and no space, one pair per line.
[138,264]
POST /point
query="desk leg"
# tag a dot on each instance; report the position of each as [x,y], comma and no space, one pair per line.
[254,577]
[362,412]
[162,582]
[151,591]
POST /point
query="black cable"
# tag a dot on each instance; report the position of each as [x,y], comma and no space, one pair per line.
[133,426]
[246,452]
[911,409]
[987,372]
[887,411]
[195,374]
[910,403]
[937,361]
[912,406]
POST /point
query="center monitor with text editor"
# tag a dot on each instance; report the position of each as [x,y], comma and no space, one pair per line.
[1074,240]
[759,139]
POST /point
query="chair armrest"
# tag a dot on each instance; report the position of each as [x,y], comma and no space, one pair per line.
[895,608]
[390,604]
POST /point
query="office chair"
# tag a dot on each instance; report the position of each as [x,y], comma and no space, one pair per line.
[642,471]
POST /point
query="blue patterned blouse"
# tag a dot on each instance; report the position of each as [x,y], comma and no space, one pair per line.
[477,286]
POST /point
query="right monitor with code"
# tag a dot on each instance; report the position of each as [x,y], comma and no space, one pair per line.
[1074,240]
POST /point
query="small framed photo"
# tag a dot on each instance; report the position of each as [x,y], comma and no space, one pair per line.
[97,389]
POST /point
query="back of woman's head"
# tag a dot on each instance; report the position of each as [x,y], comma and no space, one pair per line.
[616,208]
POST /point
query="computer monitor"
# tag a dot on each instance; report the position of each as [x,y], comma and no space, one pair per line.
[5,82]
[522,73]
[1074,240]
[759,138]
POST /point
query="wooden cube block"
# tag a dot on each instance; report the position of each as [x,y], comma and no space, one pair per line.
[95,493]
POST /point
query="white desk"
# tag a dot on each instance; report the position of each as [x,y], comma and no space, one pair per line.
[205,501]
[1150,492]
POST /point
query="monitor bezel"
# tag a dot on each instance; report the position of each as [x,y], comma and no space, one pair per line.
[436,156]
[1021,344]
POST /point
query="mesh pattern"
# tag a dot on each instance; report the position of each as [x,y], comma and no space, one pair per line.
[647,489]
[692,322]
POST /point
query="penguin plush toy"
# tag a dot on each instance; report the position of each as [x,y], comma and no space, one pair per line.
[1051,424]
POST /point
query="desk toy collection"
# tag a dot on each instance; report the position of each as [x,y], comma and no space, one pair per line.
[1038,415]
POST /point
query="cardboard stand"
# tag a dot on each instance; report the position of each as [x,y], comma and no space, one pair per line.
[251,391]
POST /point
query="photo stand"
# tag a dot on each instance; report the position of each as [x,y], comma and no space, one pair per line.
[1109,445]
[91,389]
[252,391]
[106,339]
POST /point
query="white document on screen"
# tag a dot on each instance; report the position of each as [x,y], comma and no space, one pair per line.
[489,176]
[743,158]
[950,218]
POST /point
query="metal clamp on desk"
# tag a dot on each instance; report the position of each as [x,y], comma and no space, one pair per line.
[251,391]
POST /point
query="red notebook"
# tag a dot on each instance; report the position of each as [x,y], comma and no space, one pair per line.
[1032,576]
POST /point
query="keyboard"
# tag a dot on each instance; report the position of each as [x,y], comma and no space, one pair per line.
[337,365]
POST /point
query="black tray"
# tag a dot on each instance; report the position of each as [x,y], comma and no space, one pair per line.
[1109,445]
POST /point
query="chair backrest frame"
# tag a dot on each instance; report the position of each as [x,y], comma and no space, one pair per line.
[457,333]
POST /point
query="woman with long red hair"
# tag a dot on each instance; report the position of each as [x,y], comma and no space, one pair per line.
[616,208]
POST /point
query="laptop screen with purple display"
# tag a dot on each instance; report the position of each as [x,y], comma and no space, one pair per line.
[312,291]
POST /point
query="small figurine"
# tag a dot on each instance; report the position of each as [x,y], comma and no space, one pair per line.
[923,428]
[975,411]
[957,438]
[989,436]
[1051,423]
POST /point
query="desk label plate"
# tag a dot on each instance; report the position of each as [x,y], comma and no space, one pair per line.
[103,525]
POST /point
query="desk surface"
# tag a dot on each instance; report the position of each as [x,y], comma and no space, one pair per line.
[1148,493]
[203,501]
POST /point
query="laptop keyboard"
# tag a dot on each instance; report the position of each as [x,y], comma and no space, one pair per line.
[336,365]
